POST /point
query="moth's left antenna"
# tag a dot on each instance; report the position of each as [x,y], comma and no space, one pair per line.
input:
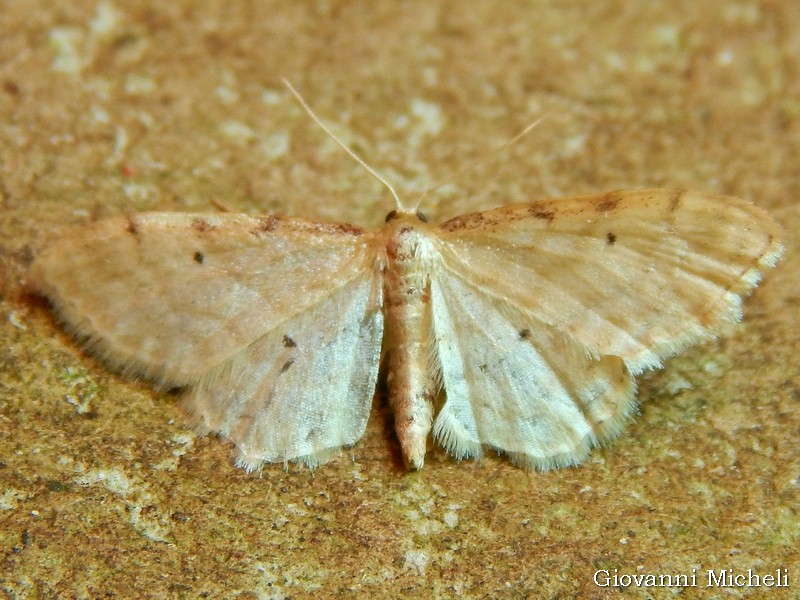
[355,156]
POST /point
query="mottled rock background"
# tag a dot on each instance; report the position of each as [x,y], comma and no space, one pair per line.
[114,107]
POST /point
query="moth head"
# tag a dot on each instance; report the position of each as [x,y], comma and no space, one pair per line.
[396,214]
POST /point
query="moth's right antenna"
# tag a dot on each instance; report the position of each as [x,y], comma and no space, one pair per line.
[352,154]
[476,163]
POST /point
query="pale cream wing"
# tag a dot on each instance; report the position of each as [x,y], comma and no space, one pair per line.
[276,323]
[637,275]
[303,390]
[173,295]
[517,385]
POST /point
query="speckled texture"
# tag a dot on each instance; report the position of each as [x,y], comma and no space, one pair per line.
[116,107]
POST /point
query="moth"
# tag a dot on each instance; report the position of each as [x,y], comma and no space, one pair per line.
[532,319]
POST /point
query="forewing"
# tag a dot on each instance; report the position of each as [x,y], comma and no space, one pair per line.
[172,295]
[637,275]
[516,384]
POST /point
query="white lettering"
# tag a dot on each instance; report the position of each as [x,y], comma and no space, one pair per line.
[605,581]
[605,578]
[680,580]
[726,578]
[713,581]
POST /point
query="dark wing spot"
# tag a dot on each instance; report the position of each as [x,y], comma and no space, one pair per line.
[199,258]
[524,334]
[540,213]
[611,238]
[131,227]
[286,365]
[463,222]
[607,204]
[202,226]
[289,342]
[675,203]
[342,228]
[265,225]
[483,368]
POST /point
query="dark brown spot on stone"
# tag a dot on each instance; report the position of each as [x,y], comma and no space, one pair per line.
[286,365]
[524,334]
[11,87]
[289,342]
[607,204]
[24,255]
[199,258]
[611,238]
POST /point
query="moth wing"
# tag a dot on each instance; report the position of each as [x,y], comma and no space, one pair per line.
[172,295]
[542,311]
[639,275]
[303,390]
[517,385]
[274,321]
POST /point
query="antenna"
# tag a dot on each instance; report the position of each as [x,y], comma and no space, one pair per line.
[478,162]
[352,154]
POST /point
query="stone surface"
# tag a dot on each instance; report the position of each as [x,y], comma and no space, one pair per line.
[118,107]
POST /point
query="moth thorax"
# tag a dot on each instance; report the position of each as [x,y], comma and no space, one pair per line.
[408,244]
